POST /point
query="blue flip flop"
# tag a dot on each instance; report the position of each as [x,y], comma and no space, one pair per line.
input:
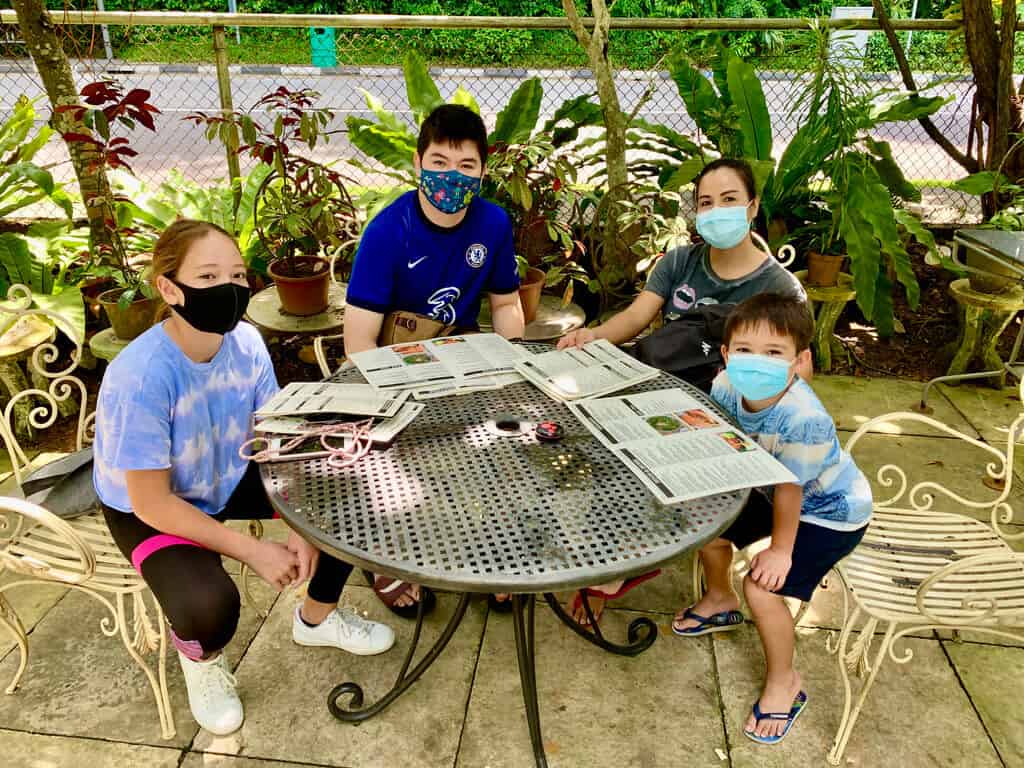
[722,621]
[799,704]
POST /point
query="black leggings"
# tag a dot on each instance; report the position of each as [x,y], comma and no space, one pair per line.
[197,595]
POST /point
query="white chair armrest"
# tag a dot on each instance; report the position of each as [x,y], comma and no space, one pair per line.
[64,557]
[977,591]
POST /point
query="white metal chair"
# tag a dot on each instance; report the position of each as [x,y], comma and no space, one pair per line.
[925,565]
[39,546]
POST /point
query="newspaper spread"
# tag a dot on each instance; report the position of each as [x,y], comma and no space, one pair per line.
[597,368]
[450,362]
[467,385]
[307,398]
[678,447]
[383,431]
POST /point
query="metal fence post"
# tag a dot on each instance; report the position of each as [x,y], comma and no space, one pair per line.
[220,54]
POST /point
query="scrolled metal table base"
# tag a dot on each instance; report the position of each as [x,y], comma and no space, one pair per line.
[356,712]
[642,633]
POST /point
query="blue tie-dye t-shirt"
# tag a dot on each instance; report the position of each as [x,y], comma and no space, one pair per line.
[800,433]
[159,409]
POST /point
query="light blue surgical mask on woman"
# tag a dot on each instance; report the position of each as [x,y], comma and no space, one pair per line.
[724,227]
[757,377]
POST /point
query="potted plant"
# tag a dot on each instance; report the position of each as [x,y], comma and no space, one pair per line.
[558,268]
[303,212]
[131,304]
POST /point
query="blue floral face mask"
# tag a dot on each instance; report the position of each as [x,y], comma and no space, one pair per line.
[757,377]
[724,227]
[449,191]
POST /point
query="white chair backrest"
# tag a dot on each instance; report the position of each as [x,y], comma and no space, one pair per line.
[922,496]
[786,254]
[61,387]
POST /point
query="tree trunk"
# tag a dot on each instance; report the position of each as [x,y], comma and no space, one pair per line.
[596,45]
[999,108]
[40,36]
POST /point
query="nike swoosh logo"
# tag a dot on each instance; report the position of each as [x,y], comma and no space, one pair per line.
[414,263]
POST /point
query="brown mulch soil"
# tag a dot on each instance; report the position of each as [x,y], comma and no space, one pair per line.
[924,350]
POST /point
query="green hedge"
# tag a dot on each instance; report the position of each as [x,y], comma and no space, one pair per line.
[523,48]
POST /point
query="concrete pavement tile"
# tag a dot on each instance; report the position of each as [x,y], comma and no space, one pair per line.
[213,760]
[81,683]
[658,708]
[285,687]
[918,709]
[33,750]
[990,411]
[853,400]
[31,602]
[994,678]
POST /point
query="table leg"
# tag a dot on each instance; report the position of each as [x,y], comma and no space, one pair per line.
[355,712]
[528,671]
[642,631]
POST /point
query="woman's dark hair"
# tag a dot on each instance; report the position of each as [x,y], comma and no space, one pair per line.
[453,124]
[740,167]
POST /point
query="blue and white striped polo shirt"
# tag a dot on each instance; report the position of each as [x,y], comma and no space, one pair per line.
[800,433]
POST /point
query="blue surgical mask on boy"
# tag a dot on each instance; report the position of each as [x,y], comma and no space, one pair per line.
[449,191]
[724,226]
[757,377]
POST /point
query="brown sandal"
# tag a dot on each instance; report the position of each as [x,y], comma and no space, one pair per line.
[390,590]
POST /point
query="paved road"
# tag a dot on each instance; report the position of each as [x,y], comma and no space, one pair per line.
[178,144]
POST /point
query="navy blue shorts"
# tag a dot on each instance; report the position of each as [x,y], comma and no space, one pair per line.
[815,551]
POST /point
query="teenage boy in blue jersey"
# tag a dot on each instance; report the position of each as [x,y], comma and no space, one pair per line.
[437,251]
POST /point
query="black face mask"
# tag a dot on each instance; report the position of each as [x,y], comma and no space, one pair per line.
[216,309]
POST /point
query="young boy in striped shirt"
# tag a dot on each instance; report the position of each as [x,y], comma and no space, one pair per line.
[813,523]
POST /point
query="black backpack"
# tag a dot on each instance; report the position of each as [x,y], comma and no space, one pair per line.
[689,347]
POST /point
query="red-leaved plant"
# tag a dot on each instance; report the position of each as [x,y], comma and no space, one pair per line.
[303,206]
[106,107]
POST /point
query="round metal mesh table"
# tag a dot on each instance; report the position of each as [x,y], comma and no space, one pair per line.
[451,504]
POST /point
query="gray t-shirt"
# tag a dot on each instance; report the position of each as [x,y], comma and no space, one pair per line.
[685,280]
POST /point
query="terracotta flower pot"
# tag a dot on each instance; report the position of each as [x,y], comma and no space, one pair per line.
[302,283]
[823,269]
[529,292]
[130,321]
[95,317]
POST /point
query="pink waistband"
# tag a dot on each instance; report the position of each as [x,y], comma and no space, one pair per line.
[155,544]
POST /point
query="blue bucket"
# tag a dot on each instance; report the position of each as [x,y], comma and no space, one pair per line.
[322,47]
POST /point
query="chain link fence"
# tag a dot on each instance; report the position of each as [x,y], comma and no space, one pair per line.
[490,66]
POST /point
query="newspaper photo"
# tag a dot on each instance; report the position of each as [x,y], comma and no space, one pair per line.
[307,398]
[677,446]
[438,363]
[597,368]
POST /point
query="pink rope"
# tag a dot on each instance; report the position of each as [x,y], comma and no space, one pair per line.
[356,431]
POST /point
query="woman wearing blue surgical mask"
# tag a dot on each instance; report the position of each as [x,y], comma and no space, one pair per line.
[726,268]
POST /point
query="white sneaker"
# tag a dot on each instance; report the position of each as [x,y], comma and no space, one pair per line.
[344,628]
[211,694]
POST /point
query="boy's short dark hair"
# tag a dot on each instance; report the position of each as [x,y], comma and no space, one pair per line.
[785,315]
[453,124]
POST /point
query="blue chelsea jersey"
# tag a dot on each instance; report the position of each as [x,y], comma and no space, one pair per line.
[406,262]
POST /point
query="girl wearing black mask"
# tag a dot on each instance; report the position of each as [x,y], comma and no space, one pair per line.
[174,408]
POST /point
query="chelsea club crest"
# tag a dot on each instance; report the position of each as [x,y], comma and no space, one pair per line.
[476,254]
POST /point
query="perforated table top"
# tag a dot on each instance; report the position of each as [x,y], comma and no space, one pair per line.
[453,505]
